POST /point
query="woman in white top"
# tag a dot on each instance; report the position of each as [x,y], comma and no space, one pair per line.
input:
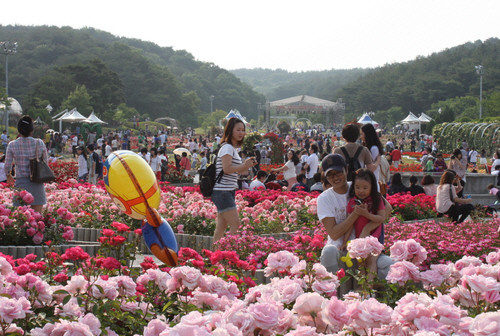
[447,201]
[372,142]
[229,161]
[83,169]
[155,163]
[289,169]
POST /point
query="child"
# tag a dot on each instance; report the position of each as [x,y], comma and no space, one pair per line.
[494,191]
[185,164]
[366,201]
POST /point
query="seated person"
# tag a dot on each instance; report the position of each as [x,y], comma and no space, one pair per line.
[397,185]
[258,182]
[429,186]
[301,184]
[414,188]
[494,191]
[440,164]
[317,186]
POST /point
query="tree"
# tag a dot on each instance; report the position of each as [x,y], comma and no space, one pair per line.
[212,119]
[80,99]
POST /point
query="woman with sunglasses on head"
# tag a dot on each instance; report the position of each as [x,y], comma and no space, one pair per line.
[229,162]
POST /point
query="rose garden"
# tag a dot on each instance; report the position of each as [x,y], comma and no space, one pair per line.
[265,281]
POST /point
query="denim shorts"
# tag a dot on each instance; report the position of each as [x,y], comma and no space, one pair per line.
[224,200]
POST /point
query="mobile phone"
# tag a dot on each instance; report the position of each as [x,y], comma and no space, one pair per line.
[358,201]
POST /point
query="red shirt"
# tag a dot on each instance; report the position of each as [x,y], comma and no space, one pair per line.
[185,163]
[361,222]
[396,155]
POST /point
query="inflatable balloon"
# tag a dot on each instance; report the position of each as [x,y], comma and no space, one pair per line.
[161,241]
[132,185]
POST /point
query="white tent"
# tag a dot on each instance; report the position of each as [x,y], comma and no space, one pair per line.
[410,119]
[93,119]
[366,119]
[424,118]
[73,116]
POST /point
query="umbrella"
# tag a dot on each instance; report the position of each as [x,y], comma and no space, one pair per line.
[181,150]
[50,130]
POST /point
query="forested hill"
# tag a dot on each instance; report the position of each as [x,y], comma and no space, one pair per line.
[52,64]
[446,80]
[280,84]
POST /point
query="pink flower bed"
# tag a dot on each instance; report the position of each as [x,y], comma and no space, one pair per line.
[72,294]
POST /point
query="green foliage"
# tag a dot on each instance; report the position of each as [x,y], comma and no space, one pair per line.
[209,120]
[80,99]
[250,141]
[156,81]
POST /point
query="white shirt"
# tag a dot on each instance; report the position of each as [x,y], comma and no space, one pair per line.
[256,184]
[155,163]
[228,182]
[375,153]
[107,150]
[473,156]
[82,166]
[332,204]
[290,172]
[3,176]
[313,163]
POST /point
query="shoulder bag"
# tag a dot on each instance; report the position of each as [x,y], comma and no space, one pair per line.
[39,170]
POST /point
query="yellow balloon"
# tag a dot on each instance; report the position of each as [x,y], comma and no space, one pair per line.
[131,183]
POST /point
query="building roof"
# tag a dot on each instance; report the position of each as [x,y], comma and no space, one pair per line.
[302,100]
[14,108]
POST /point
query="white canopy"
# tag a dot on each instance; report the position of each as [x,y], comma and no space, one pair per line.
[74,116]
[424,118]
[410,119]
[93,119]
[366,119]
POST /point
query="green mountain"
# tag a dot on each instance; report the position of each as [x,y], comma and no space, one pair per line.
[280,84]
[446,80]
[118,73]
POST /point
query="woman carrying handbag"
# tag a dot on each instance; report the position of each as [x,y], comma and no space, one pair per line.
[21,151]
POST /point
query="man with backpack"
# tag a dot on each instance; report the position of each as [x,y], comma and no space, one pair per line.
[356,156]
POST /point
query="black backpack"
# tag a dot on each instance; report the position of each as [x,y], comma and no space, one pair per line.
[352,163]
[208,179]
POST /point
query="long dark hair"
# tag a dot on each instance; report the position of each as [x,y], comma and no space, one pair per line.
[295,158]
[371,138]
[368,176]
[448,177]
[228,132]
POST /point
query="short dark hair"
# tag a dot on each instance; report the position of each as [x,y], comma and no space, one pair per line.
[350,132]
[301,177]
[427,179]
[413,179]
[317,177]
[25,126]
[261,174]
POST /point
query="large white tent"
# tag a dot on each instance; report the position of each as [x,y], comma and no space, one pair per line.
[366,119]
[93,119]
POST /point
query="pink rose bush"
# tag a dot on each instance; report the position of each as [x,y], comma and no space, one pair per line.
[363,247]
[298,298]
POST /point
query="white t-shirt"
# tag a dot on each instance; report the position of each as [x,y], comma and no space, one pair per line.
[473,156]
[228,182]
[313,163]
[155,163]
[107,150]
[82,166]
[3,176]
[290,172]
[256,184]
[332,204]
[375,153]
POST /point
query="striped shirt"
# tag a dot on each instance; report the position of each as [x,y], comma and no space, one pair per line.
[20,151]
[228,182]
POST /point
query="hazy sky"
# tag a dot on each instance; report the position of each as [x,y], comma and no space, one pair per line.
[292,35]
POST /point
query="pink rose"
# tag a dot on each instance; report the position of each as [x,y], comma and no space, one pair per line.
[186,276]
[280,261]
[155,327]
[480,283]
[92,322]
[493,257]
[308,303]
[334,313]
[486,324]
[399,251]
[265,314]
[361,248]
[431,277]
[403,271]
[13,309]
[373,314]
